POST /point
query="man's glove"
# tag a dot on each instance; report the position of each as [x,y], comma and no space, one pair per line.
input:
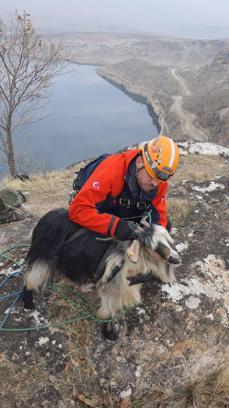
[126,230]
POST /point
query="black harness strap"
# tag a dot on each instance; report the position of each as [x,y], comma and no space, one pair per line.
[76,235]
[134,280]
[101,267]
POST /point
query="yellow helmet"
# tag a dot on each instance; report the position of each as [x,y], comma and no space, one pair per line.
[161,157]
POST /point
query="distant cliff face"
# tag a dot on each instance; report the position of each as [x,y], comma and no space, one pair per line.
[108,49]
[210,96]
[185,81]
[222,58]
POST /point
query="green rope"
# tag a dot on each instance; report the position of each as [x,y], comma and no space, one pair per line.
[55,324]
[71,290]
[57,288]
[9,258]
[15,246]
[149,214]
[87,316]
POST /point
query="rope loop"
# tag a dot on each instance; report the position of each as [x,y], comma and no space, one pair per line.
[16,294]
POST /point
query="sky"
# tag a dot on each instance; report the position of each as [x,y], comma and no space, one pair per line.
[130,15]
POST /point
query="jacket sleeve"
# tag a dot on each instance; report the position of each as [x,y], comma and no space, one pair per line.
[159,203]
[105,180]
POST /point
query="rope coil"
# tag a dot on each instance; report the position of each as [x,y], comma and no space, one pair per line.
[55,288]
[15,294]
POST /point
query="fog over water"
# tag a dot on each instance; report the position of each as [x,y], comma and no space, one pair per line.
[87,116]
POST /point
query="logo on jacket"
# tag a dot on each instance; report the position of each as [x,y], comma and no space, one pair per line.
[96,185]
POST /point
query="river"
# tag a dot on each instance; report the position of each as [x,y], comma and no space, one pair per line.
[86,116]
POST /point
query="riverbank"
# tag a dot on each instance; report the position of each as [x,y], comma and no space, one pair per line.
[175,99]
[136,96]
[183,80]
[85,116]
[138,93]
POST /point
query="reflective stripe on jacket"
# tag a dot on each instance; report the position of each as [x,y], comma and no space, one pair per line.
[107,183]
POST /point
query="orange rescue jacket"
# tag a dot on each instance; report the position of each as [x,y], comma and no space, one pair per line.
[108,180]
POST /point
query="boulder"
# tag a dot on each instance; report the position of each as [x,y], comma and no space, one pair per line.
[10,201]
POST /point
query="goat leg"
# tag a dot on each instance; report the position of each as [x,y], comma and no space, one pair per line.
[114,272]
[27,297]
[109,332]
[102,265]
[143,278]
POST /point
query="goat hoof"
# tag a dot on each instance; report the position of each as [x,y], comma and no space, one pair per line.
[108,332]
[29,306]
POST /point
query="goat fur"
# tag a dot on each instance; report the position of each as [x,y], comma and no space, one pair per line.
[52,251]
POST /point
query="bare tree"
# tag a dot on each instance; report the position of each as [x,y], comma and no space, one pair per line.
[27,65]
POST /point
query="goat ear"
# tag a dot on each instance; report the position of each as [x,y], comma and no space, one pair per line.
[133,251]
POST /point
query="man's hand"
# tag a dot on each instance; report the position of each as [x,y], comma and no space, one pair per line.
[126,230]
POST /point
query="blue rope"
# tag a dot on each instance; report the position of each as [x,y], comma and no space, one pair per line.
[16,294]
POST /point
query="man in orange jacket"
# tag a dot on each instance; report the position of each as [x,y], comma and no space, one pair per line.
[124,186]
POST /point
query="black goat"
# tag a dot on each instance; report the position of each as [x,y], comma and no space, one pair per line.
[118,269]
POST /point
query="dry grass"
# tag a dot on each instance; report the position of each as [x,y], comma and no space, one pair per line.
[211,391]
[66,304]
[178,211]
[80,340]
[17,385]
[199,168]
[45,191]
[50,190]
[79,380]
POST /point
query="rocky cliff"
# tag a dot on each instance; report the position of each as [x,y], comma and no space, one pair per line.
[185,81]
[176,339]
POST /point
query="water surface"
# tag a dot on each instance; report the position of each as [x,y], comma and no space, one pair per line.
[87,116]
